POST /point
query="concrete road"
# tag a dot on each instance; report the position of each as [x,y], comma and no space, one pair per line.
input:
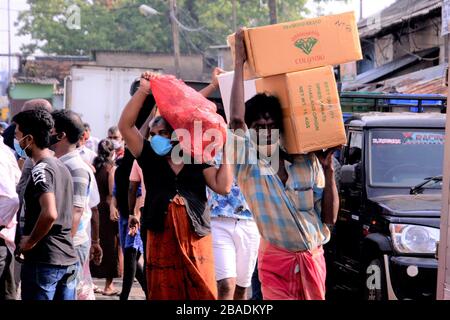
[135,294]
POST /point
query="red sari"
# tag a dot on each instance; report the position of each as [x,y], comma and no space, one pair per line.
[180,264]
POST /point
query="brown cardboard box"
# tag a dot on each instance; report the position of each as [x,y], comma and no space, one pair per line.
[300,45]
[312,115]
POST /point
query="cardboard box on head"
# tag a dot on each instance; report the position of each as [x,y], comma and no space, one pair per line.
[312,115]
[300,45]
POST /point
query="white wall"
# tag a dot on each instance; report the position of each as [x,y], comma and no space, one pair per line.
[99,94]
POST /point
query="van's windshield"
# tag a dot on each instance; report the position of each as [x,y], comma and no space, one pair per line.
[404,158]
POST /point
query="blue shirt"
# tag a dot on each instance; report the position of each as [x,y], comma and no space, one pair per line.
[232,205]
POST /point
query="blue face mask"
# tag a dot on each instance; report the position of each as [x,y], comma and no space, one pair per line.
[20,152]
[160,145]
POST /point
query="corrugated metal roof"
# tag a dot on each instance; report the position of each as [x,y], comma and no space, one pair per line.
[385,70]
[399,12]
[140,52]
[63,58]
[427,81]
[34,80]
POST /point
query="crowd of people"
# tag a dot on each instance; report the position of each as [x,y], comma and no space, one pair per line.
[74,208]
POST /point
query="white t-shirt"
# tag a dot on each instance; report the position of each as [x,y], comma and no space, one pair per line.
[9,200]
[87,154]
[92,143]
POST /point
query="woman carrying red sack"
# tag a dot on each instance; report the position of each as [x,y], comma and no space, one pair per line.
[180,263]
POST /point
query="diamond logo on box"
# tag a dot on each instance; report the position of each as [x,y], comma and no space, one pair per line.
[306,44]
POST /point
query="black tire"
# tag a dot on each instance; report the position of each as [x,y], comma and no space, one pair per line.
[375,293]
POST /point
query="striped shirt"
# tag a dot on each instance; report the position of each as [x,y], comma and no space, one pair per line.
[84,192]
[288,216]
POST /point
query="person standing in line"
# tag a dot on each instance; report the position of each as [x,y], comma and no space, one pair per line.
[108,216]
[86,153]
[130,239]
[50,260]
[66,134]
[116,137]
[25,164]
[9,205]
[33,104]
[131,233]
[91,141]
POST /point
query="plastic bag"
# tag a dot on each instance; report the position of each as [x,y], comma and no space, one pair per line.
[184,108]
[85,287]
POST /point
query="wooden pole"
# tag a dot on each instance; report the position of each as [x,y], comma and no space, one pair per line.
[360,9]
[234,15]
[9,40]
[273,11]
[443,281]
[175,36]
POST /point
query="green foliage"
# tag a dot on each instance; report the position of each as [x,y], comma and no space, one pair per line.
[118,25]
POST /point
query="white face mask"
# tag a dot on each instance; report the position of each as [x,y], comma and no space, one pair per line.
[269,149]
[117,144]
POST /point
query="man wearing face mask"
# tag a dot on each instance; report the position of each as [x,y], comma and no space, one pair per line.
[49,268]
[67,132]
[116,138]
[293,197]
[26,164]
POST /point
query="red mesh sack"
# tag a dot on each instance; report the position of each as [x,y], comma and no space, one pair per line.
[184,108]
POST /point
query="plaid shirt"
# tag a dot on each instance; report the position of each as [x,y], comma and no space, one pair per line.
[288,216]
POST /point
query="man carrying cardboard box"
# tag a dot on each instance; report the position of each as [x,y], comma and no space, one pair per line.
[293,198]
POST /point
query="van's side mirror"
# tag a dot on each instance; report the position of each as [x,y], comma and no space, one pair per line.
[348,175]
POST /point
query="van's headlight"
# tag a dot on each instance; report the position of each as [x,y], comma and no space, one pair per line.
[414,239]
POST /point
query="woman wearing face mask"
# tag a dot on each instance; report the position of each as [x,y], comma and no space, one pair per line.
[108,229]
[179,246]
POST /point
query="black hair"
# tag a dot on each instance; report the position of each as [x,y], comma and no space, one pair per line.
[124,166]
[160,120]
[37,123]
[104,154]
[113,129]
[135,86]
[149,104]
[69,122]
[263,106]
[87,126]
